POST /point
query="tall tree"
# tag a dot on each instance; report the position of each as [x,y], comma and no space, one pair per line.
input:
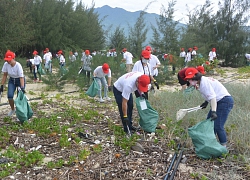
[118,39]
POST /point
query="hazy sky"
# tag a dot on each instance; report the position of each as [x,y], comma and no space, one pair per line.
[154,7]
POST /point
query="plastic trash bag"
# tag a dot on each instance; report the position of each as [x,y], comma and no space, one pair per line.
[23,109]
[204,140]
[41,70]
[149,117]
[188,90]
[93,89]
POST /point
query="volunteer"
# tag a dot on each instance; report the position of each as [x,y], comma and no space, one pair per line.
[36,64]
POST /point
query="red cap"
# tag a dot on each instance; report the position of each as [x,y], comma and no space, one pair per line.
[35,52]
[70,52]
[105,68]
[148,48]
[190,49]
[59,52]
[213,49]
[182,49]
[143,82]
[201,69]
[87,52]
[190,72]
[195,48]
[124,50]
[145,54]
[9,55]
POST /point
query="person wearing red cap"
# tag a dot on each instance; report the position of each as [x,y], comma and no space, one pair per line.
[194,52]
[128,59]
[36,64]
[14,70]
[99,74]
[181,76]
[86,60]
[144,67]
[47,59]
[188,57]
[219,98]
[123,89]
[212,55]
[183,54]
[153,61]
[61,61]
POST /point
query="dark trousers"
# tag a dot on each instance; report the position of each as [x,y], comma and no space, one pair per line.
[137,94]
[130,104]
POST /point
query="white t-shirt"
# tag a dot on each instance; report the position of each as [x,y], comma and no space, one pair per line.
[211,88]
[72,58]
[127,83]
[138,67]
[247,56]
[62,59]
[99,72]
[212,55]
[37,60]
[129,57]
[47,57]
[13,72]
[183,54]
[154,61]
[194,52]
[188,57]
[32,61]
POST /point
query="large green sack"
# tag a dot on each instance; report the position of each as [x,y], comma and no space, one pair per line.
[204,140]
[93,89]
[23,109]
[188,90]
[148,116]
[41,70]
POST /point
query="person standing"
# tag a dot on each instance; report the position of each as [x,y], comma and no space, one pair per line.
[219,98]
[72,57]
[86,59]
[194,52]
[188,57]
[153,61]
[14,70]
[183,54]
[123,89]
[128,59]
[47,57]
[36,64]
[99,74]
[144,67]
[247,56]
[212,55]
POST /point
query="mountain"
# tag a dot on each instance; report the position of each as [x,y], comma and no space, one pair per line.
[118,17]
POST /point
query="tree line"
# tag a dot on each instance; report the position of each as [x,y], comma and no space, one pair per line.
[26,25]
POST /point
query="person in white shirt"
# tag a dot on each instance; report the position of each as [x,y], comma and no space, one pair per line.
[183,54]
[188,57]
[212,55]
[76,54]
[247,56]
[123,89]
[72,57]
[47,58]
[36,64]
[218,96]
[144,67]
[14,70]
[87,61]
[99,74]
[128,59]
[194,52]
[153,61]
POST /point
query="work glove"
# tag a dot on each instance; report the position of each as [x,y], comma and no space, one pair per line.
[156,84]
[110,88]
[23,90]
[1,88]
[125,120]
[213,115]
[204,105]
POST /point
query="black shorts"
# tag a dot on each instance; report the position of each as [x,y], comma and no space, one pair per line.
[182,82]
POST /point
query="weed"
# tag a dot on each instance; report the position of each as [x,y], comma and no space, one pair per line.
[63,142]
[97,148]
[83,154]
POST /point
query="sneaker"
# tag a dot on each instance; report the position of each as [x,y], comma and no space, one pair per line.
[11,112]
[101,100]
[134,128]
[35,80]
[40,81]
[107,98]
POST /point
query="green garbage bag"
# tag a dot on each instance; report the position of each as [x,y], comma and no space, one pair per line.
[93,89]
[122,65]
[148,116]
[188,90]
[63,70]
[23,109]
[204,140]
[41,70]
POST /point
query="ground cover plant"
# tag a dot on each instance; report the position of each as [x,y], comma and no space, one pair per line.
[71,136]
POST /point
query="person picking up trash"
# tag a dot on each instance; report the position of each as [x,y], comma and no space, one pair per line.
[123,89]
[99,74]
[217,95]
[16,78]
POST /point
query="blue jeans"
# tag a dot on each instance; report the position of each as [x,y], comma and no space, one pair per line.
[130,105]
[102,82]
[224,106]
[35,77]
[12,85]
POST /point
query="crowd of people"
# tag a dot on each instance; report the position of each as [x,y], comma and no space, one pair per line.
[140,78]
